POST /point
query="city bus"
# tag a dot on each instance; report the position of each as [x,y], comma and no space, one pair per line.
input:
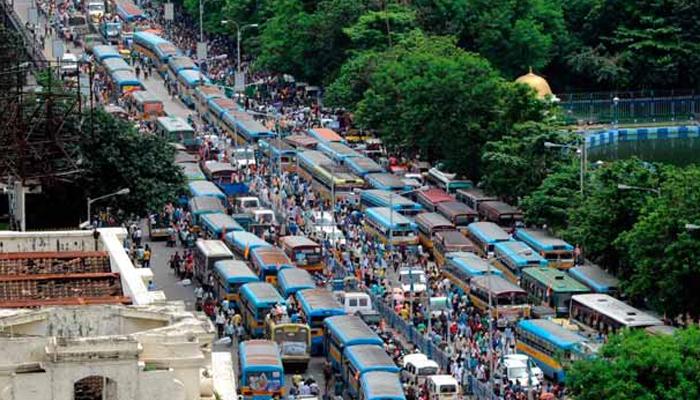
[202,205]
[557,252]
[177,130]
[187,81]
[257,300]
[301,142]
[104,52]
[607,314]
[229,276]
[305,253]
[512,256]
[381,385]
[202,95]
[243,128]
[145,105]
[243,243]
[391,227]
[315,305]
[430,198]
[192,172]
[386,181]
[551,346]
[500,213]
[156,48]
[486,234]
[325,135]
[206,189]
[473,197]
[428,225]
[292,280]
[261,370]
[552,287]
[596,279]
[293,339]
[337,151]
[206,254]
[128,11]
[458,213]
[216,226]
[361,166]
[450,242]
[361,359]
[180,63]
[218,171]
[326,177]
[268,261]
[508,300]
[461,267]
[279,153]
[125,81]
[112,65]
[344,331]
[217,107]
[446,181]
[386,198]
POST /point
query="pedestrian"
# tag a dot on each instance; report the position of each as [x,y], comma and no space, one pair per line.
[138,71]
[230,331]
[147,257]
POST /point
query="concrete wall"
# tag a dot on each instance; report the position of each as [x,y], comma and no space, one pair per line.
[21,242]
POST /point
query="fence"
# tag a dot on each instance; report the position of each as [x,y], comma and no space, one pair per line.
[479,390]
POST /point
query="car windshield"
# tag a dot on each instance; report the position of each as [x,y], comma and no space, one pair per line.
[517,373]
[415,277]
[76,21]
[96,7]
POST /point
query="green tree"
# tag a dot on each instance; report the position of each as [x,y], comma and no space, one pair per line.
[551,202]
[607,211]
[114,156]
[661,252]
[429,96]
[377,30]
[635,365]
[517,164]
[353,80]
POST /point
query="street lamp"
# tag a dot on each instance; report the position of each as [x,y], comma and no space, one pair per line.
[239,29]
[580,148]
[622,186]
[120,192]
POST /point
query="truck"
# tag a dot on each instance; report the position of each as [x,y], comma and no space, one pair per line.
[94,9]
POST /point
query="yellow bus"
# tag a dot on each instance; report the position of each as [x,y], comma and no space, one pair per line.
[293,339]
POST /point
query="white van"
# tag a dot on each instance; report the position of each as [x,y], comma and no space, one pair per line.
[417,367]
[264,216]
[517,371]
[246,204]
[534,369]
[413,280]
[354,302]
[442,387]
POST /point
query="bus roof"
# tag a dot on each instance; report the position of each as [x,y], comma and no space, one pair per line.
[243,240]
[261,293]
[213,248]
[363,165]
[103,52]
[205,204]
[370,357]
[218,105]
[540,240]
[298,241]
[471,264]
[454,208]
[435,195]
[384,198]
[433,220]
[386,181]
[221,222]
[174,124]
[205,188]
[499,207]
[488,232]
[125,78]
[263,355]
[382,385]
[477,194]
[235,271]
[319,301]
[616,309]
[555,279]
[193,77]
[145,96]
[292,280]
[271,256]
[206,92]
[455,238]
[178,63]
[325,135]
[519,253]
[596,278]
[192,172]
[301,141]
[336,150]
[351,330]
[496,284]
[215,167]
[116,64]
[553,333]
[386,217]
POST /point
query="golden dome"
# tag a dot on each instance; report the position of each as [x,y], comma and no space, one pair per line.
[536,82]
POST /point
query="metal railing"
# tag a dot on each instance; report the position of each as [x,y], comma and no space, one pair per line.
[35,54]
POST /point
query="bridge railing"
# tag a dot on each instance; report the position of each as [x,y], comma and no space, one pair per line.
[35,53]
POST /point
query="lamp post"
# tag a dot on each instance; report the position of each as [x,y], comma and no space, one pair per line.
[239,30]
[580,148]
[622,186]
[120,192]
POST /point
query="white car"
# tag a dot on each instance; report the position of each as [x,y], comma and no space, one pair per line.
[334,235]
[413,280]
[69,64]
[534,369]
[242,157]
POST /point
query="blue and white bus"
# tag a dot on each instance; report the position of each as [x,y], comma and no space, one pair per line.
[362,166]
[104,52]
[243,242]
[125,81]
[229,276]
[257,300]
[279,153]
[337,151]
[362,359]
[461,267]
[386,181]
[596,278]
[205,189]
[261,369]
[386,198]
[216,226]
[486,235]
[292,280]
[156,48]
[268,261]
[382,385]
[315,305]
[513,256]
[241,126]
[345,331]
[187,81]
[391,227]
[558,253]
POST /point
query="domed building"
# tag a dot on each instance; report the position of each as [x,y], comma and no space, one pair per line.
[536,82]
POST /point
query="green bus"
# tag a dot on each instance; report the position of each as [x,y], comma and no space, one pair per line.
[176,129]
[552,287]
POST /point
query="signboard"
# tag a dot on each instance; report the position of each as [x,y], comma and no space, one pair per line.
[169,12]
[57,48]
[201,50]
[239,86]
